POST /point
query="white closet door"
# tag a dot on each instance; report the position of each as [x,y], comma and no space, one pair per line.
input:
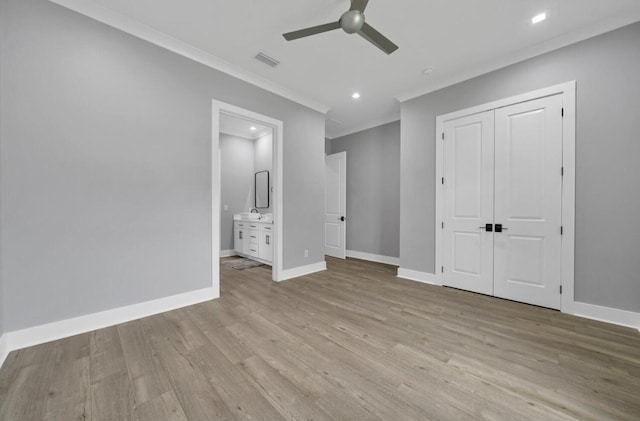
[528,200]
[468,199]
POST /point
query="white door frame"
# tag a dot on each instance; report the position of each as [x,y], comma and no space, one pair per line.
[568,91]
[218,108]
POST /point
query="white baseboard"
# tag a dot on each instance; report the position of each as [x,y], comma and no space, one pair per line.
[227,253]
[414,275]
[302,270]
[378,258]
[605,314]
[4,349]
[65,328]
[589,311]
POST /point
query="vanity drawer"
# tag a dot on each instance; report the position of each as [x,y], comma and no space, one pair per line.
[254,235]
[239,224]
[267,227]
[254,250]
[253,225]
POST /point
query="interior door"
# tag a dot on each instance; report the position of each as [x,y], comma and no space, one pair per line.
[528,202]
[335,232]
[468,203]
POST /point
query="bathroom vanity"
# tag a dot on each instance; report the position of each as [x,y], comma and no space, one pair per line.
[253,237]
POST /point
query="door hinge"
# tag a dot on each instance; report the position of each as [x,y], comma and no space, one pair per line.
[560,289]
[562,171]
[443,225]
[442,269]
[561,230]
[562,113]
[442,135]
[442,180]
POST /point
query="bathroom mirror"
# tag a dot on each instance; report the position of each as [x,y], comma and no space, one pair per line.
[262,190]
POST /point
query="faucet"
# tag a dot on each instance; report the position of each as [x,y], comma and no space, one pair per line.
[254,210]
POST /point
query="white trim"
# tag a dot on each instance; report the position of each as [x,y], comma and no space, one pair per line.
[471,72]
[606,314]
[65,328]
[149,34]
[568,196]
[4,349]
[423,277]
[568,91]
[560,88]
[303,270]
[227,253]
[278,183]
[387,260]
[370,124]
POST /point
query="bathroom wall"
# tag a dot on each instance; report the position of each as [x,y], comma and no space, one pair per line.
[263,160]
[237,156]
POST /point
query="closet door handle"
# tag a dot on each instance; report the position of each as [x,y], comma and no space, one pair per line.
[500,228]
[488,227]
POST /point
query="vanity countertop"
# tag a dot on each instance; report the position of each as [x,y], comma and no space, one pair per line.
[260,220]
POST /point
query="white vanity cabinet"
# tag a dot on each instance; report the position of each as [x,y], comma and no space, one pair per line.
[266,242]
[254,239]
[240,237]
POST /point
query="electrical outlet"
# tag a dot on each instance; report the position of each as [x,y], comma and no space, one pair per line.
[226,207]
[306,253]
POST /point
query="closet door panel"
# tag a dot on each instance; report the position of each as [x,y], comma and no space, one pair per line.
[528,198]
[468,199]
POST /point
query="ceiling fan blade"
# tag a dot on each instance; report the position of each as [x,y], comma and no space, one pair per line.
[359,5]
[376,38]
[290,36]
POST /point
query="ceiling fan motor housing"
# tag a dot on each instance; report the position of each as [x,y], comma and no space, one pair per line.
[352,21]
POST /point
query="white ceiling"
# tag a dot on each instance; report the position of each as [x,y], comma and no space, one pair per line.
[241,127]
[458,38]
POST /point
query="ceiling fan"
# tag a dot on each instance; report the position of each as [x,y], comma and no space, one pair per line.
[351,22]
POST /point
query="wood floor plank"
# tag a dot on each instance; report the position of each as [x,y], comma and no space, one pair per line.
[27,395]
[163,407]
[148,377]
[69,394]
[354,342]
[196,396]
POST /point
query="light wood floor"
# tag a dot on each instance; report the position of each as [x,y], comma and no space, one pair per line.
[352,343]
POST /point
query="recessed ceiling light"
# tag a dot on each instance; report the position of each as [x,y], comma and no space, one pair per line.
[538,18]
[355,95]
[427,71]
[253,128]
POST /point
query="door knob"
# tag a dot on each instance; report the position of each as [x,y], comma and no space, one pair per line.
[342,218]
[500,228]
[488,227]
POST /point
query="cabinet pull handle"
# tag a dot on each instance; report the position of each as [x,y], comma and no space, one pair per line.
[240,236]
[268,240]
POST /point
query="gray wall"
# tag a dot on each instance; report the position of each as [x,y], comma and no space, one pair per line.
[236,183]
[263,161]
[373,189]
[607,71]
[327,146]
[106,166]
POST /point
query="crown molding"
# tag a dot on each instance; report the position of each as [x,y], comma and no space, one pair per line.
[147,33]
[370,124]
[524,54]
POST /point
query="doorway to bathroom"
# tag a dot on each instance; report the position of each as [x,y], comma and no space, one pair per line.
[246,189]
